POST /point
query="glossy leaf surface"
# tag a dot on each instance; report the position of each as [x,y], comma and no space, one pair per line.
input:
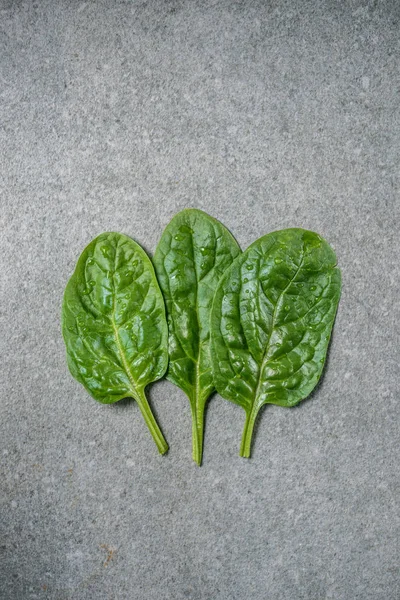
[114,324]
[271,322]
[193,253]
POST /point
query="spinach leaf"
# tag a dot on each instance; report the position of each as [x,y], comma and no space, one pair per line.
[193,253]
[271,322]
[114,325]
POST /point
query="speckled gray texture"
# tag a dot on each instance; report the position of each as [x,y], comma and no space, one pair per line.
[113,116]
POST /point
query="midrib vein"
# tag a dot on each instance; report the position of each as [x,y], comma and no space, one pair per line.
[117,338]
[197,386]
[196,393]
[267,347]
[121,353]
[198,390]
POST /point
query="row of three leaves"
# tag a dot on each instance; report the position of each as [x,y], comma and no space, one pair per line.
[255,325]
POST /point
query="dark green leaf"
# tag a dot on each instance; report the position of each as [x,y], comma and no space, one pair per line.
[272,317]
[114,324]
[193,253]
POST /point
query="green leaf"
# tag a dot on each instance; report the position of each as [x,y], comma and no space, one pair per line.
[193,253]
[271,322]
[114,325]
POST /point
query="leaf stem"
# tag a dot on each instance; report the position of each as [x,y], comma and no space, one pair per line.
[245,447]
[151,421]
[197,432]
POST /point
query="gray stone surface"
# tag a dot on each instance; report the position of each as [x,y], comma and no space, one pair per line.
[113,116]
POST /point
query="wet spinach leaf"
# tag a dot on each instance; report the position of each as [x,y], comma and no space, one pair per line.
[114,324]
[271,322]
[193,253]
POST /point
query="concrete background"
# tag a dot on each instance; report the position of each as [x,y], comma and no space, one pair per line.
[113,116]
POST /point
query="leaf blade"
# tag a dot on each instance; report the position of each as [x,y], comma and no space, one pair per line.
[114,325]
[193,253]
[271,321]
